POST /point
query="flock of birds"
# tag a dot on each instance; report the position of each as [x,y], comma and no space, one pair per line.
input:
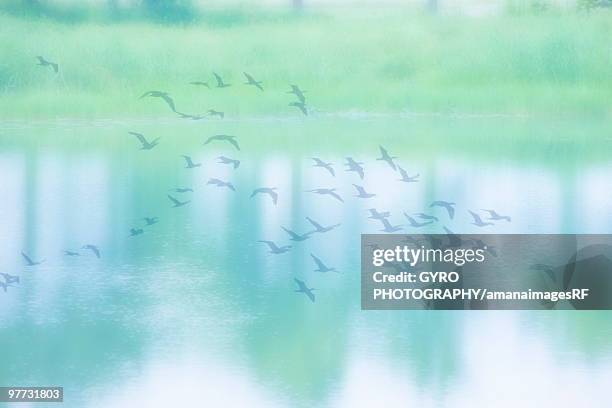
[416,220]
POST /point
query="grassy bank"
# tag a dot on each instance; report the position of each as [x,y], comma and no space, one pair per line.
[553,64]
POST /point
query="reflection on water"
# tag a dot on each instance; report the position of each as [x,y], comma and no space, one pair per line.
[196,309]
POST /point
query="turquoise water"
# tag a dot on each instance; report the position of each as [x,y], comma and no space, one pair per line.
[196,312]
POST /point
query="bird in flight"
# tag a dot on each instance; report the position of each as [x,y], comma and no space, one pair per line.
[226,138]
[189,164]
[190,116]
[220,83]
[302,288]
[8,278]
[319,228]
[227,160]
[43,62]
[212,112]
[92,248]
[298,93]
[146,145]
[221,183]
[326,191]
[176,202]
[275,249]
[301,106]
[29,261]
[424,216]
[163,95]
[405,177]
[295,236]
[388,227]
[354,166]
[151,220]
[252,81]
[321,267]
[136,231]
[414,223]
[375,215]
[384,155]
[200,83]
[362,193]
[71,253]
[326,166]
[478,221]
[267,190]
[450,207]
[494,216]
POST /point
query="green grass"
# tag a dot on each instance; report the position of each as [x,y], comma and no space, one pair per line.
[387,61]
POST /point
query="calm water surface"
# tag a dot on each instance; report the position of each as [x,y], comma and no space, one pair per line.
[196,311]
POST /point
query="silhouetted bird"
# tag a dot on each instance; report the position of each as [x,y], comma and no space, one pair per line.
[354,166]
[189,164]
[426,217]
[71,253]
[414,223]
[321,267]
[93,248]
[298,93]
[295,236]
[43,62]
[221,183]
[388,227]
[29,261]
[212,112]
[176,202]
[151,220]
[220,83]
[327,166]
[319,228]
[8,278]
[384,155]
[494,216]
[252,81]
[375,215]
[146,145]
[405,177]
[136,231]
[446,205]
[362,193]
[275,249]
[267,190]
[200,83]
[301,106]
[163,95]
[326,191]
[226,138]
[182,190]
[227,160]
[302,288]
[478,221]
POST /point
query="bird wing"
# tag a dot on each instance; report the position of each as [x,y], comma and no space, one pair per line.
[55,67]
[274,196]
[40,59]
[174,200]
[319,263]
[234,143]
[187,160]
[331,170]
[310,295]
[451,211]
[360,171]
[314,223]
[169,101]
[335,195]
[249,78]
[140,137]
[402,172]
[291,233]
[27,258]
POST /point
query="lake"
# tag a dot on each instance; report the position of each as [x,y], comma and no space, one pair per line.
[196,311]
